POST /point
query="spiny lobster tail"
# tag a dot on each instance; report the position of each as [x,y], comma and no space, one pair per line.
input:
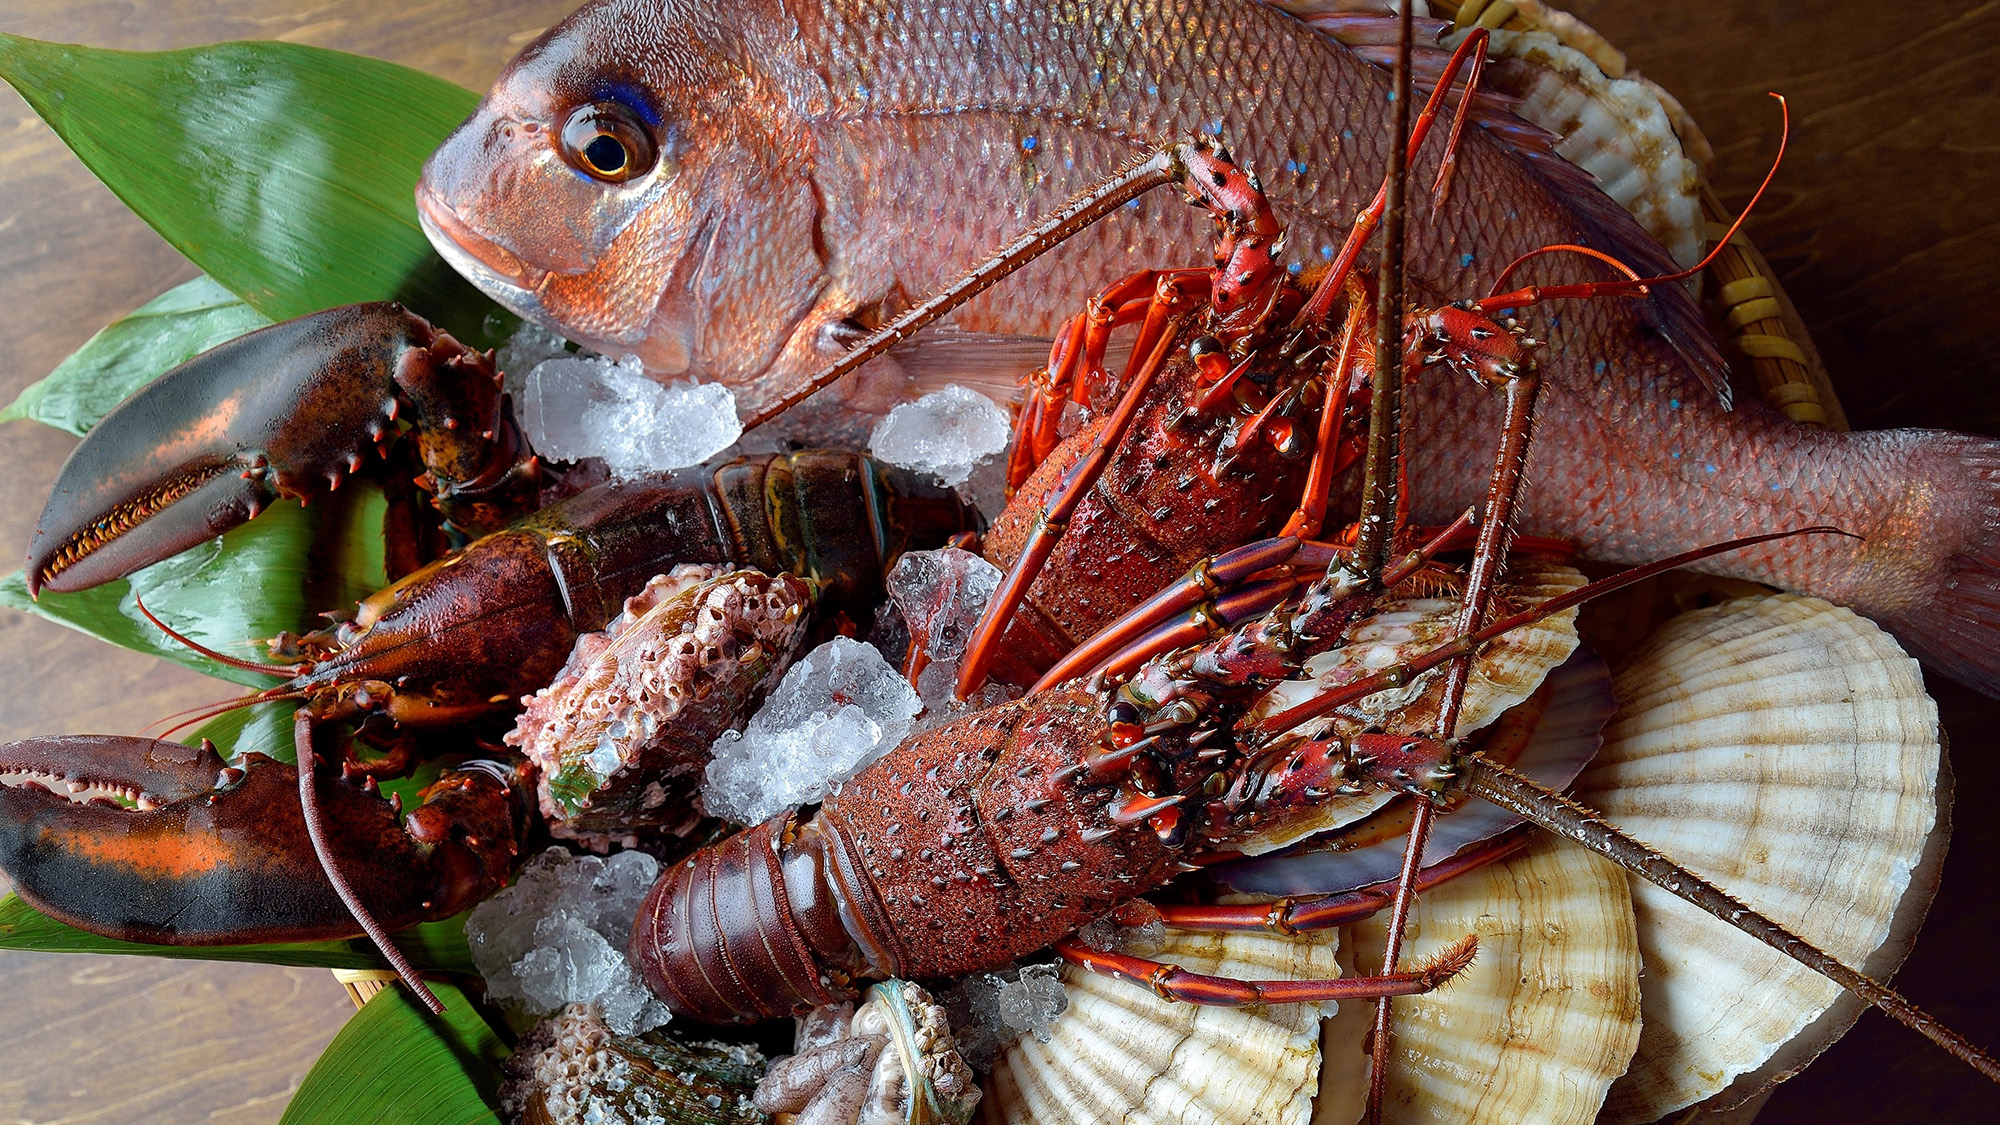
[719,936]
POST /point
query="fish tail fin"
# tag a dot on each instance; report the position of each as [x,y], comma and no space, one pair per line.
[1957,630]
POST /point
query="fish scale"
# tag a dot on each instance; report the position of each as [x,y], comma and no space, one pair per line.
[831,162]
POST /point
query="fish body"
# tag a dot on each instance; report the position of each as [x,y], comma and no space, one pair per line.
[817,165]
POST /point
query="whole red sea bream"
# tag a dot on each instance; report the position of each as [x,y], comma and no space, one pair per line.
[814,167]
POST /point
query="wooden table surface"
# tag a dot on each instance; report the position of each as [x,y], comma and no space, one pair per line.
[1885,227]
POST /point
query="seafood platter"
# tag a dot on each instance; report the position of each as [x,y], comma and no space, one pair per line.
[1212,561]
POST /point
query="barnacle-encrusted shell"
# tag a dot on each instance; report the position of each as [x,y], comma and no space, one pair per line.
[1535,1030]
[1120,1053]
[622,735]
[1784,748]
[1507,672]
[892,1062]
[571,1070]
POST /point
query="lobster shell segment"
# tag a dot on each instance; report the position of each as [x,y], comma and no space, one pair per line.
[965,848]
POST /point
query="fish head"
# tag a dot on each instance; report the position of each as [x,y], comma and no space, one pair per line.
[637,181]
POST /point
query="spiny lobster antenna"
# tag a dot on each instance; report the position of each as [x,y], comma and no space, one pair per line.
[1378,489]
[1086,207]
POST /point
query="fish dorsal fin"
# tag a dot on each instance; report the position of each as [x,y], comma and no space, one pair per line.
[1618,149]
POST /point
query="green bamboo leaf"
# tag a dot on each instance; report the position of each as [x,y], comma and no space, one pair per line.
[276,572]
[286,172]
[130,352]
[431,946]
[394,1062]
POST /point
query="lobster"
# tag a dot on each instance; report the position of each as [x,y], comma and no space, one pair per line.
[87,824]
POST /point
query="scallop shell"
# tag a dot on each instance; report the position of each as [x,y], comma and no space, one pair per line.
[1617,129]
[1507,672]
[1567,731]
[1784,748]
[1120,1053]
[1535,1030]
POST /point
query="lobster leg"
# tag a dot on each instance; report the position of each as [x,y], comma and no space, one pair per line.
[153,841]
[285,411]
[1473,49]
[1305,914]
[1054,517]
[1171,982]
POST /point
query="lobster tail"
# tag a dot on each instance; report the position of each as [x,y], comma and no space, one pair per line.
[728,935]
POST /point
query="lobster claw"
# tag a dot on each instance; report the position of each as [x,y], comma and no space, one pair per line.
[153,841]
[285,411]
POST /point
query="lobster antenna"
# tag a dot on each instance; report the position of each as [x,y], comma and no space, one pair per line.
[1396,675]
[1378,496]
[286,670]
[194,715]
[308,761]
[1083,209]
[1564,817]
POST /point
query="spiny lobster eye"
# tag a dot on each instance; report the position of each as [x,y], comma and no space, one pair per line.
[607,141]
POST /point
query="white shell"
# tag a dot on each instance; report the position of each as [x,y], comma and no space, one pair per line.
[1535,1030]
[1121,1054]
[1617,129]
[1784,748]
[1506,672]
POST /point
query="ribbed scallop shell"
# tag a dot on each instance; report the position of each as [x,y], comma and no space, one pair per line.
[1784,748]
[1506,672]
[1535,1030]
[1121,1054]
[1617,129]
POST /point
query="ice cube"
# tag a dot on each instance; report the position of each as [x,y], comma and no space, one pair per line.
[946,433]
[557,936]
[523,352]
[941,595]
[1031,1003]
[840,707]
[572,408]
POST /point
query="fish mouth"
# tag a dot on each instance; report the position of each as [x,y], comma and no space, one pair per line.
[485,263]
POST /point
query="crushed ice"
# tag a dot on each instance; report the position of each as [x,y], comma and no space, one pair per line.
[947,433]
[572,408]
[989,1011]
[558,935]
[941,595]
[523,352]
[840,707]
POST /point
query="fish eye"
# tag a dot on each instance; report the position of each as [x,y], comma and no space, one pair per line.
[607,141]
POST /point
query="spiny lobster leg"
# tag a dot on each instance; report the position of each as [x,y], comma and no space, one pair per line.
[1053,520]
[1171,982]
[1076,362]
[286,411]
[153,841]
[1473,51]
[1427,766]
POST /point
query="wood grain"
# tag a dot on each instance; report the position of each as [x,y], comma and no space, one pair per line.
[1885,227]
